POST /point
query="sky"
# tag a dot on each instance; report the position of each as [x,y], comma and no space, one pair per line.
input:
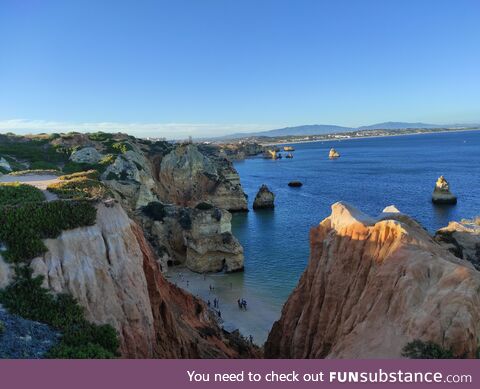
[211,67]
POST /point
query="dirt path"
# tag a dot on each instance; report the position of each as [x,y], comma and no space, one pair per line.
[39,181]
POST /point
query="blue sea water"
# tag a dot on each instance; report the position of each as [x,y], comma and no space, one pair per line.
[371,174]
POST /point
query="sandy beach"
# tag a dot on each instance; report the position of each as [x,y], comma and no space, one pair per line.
[228,288]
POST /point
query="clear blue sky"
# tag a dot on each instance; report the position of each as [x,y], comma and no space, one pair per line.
[213,66]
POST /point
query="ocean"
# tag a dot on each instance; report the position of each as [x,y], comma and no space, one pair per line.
[371,174]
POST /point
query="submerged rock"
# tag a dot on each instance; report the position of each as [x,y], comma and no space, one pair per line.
[333,154]
[264,198]
[441,193]
[373,285]
[295,184]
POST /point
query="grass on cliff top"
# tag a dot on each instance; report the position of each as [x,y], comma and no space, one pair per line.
[35,151]
[14,193]
[26,297]
[92,174]
[23,227]
[79,188]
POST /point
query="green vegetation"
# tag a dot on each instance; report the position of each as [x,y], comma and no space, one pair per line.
[75,167]
[100,136]
[92,174]
[23,227]
[2,328]
[43,165]
[4,171]
[426,350]
[122,147]
[26,297]
[155,210]
[14,193]
[36,171]
[80,188]
[34,150]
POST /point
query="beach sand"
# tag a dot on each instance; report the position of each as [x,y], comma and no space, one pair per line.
[256,321]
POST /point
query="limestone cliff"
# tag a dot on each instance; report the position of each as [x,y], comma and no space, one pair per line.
[371,286]
[462,239]
[187,177]
[112,271]
[199,238]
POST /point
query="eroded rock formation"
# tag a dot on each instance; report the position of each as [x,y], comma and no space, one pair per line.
[199,238]
[333,154]
[371,286]
[441,194]
[187,177]
[264,198]
[462,239]
[113,273]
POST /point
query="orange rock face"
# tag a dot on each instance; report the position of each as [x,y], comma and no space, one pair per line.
[374,284]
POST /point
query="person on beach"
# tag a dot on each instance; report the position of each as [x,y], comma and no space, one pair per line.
[239,304]
[219,313]
[244,303]
[208,303]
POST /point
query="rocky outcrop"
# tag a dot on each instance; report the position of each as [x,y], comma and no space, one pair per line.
[441,193]
[211,247]
[86,155]
[4,165]
[333,154]
[199,238]
[462,239]
[374,284]
[113,273]
[187,177]
[264,198]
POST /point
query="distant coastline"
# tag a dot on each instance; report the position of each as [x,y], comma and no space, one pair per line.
[367,134]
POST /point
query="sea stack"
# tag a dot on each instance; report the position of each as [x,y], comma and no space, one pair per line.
[264,198]
[441,193]
[333,154]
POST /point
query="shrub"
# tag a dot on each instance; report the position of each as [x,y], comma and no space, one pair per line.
[15,193]
[100,136]
[26,297]
[418,349]
[92,174]
[34,171]
[43,165]
[155,210]
[75,167]
[23,227]
[80,188]
[32,150]
[122,147]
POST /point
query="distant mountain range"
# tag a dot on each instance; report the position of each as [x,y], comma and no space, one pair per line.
[320,129]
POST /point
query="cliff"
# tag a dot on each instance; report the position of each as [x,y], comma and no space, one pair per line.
[373,285]
[112,272]
[187,177]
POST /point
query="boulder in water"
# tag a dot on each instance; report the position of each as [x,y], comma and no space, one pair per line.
[441,193]
[295,184]
[333,154]
[264,198]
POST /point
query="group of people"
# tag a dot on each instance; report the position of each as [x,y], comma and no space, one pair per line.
[242,304]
